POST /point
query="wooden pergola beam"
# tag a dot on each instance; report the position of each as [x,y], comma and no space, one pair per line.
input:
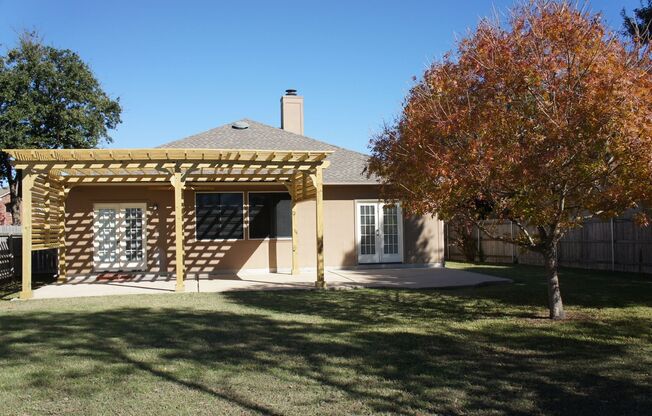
[147,178]
[140,168]
[173,156]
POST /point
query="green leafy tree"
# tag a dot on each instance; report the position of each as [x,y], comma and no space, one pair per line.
[49,99]
[639,26]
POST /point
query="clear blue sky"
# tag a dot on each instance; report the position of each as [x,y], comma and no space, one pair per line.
[183,67]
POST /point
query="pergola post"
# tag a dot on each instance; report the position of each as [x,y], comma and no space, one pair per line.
[179,185]
[319,227]
[295,231]
[27,183]
[61,276]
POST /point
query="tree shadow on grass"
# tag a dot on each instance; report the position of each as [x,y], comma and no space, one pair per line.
[352,364]
[579,287]
[370,306]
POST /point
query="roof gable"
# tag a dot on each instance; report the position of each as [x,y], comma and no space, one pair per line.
[347,166]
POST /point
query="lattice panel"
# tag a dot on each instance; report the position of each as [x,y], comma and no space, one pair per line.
[48,211]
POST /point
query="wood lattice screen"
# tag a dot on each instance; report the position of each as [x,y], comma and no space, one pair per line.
[48,211]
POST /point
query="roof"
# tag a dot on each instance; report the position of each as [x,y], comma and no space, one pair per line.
[347,166]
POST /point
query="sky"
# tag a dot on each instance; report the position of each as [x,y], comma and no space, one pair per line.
[183,67]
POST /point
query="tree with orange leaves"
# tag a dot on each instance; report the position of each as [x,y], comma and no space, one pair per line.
[545,121]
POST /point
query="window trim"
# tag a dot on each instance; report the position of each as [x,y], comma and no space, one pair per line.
[245,213]
[248,219]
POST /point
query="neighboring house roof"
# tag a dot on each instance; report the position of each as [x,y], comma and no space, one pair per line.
[347,166]
[4,192]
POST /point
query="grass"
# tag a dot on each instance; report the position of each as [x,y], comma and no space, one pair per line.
[478,351]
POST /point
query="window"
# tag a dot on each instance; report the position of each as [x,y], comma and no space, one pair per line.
[270,215]
[219,215]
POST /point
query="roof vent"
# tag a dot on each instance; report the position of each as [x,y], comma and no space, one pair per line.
[290,92]
[240,125]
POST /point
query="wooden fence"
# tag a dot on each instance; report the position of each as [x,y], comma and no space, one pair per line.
[44,262]
[7,260]
[618,244]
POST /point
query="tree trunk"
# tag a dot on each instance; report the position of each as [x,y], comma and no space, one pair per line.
[14,188]
[554,293]
[15,199]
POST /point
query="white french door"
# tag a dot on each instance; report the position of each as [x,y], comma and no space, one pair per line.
[119,241]
[379,232]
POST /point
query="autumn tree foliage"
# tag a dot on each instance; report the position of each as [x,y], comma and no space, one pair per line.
[544,120]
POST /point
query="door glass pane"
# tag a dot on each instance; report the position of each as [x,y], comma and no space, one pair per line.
[106,235]
[367,229]
[134,234]
[390,229]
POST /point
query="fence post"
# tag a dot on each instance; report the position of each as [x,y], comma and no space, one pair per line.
[511,236]
[12,259]
[479,242]
[613,247]
[447,250]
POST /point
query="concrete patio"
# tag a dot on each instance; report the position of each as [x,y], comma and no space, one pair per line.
[398,278]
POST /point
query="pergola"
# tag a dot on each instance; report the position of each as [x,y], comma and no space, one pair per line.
[48,175]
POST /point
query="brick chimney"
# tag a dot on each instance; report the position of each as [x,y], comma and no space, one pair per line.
[292,112]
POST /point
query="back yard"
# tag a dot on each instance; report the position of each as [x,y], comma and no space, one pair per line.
[486,350]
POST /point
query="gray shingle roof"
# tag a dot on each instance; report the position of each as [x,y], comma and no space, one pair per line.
[346,166]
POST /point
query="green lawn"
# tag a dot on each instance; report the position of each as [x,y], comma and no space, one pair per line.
[479,351]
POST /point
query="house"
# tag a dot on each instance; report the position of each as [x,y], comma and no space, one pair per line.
[243,196]
[5,216]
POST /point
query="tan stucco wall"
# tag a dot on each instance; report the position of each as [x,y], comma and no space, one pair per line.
[423,236]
